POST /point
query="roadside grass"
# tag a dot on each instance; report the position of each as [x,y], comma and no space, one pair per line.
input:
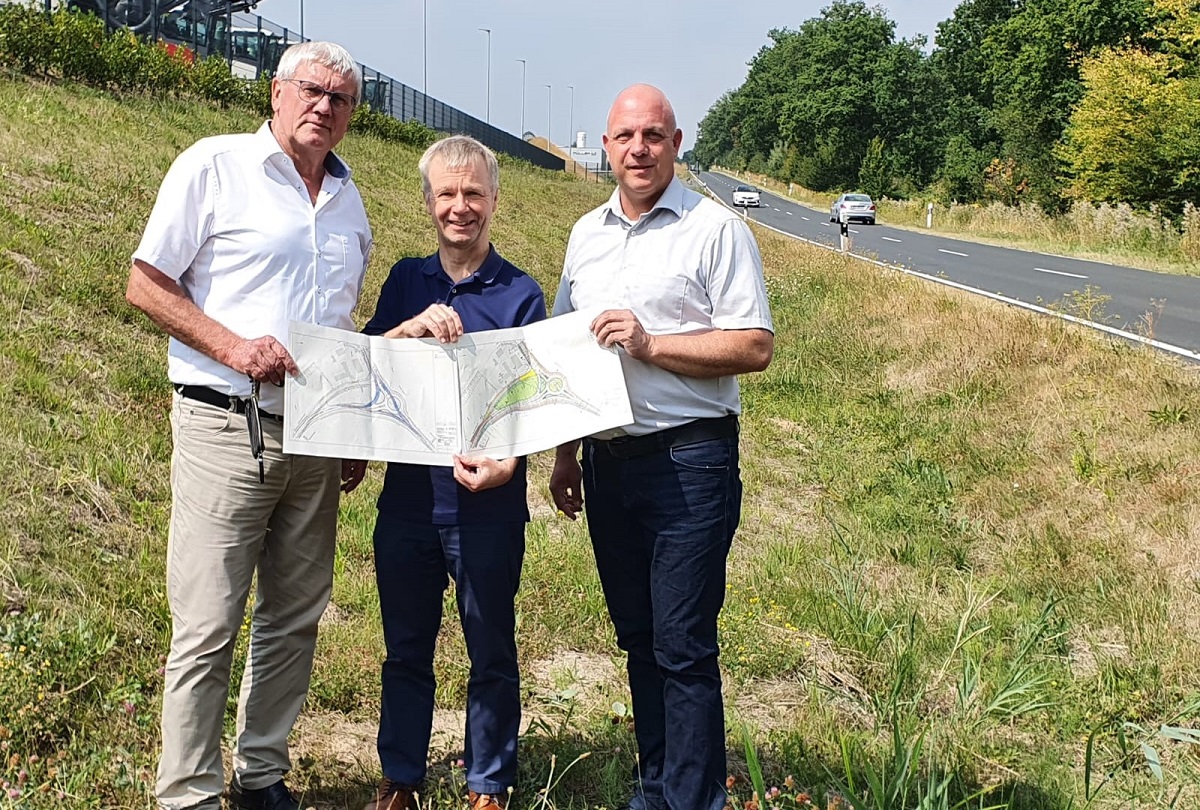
[1115,234]
[966,573]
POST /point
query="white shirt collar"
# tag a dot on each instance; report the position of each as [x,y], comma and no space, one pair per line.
[265,140]
[671,200]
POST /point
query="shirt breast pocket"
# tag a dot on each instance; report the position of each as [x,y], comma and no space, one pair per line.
[658,301]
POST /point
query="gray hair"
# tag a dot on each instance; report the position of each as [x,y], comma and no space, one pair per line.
[326,54]
[456,152]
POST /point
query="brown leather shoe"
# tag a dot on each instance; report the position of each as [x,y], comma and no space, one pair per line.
[393,796]
[486,801]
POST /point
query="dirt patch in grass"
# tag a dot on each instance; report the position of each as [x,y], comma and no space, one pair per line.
[587,682]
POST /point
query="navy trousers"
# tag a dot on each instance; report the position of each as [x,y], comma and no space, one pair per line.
[661,526]
[412,562]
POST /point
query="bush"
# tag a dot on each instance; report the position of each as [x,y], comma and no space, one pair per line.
[258,96]
[210,78]
[412,132]
[25,41]
[78,53]
[77,47]
[134,65]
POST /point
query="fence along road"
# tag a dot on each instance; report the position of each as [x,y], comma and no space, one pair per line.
[252,46]
[1024,278]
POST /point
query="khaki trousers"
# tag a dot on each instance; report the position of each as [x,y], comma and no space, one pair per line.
[225,528]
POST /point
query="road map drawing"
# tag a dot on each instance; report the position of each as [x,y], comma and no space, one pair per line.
[500,393]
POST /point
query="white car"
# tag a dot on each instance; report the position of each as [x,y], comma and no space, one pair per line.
[746,197]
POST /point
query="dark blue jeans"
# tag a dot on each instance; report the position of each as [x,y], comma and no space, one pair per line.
[661,527]
[412,561]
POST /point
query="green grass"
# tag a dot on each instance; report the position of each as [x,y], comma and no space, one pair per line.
[964,575]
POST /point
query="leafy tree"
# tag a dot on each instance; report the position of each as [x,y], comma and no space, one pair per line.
[960,178]
[1033,62]
[1135,135]
[716,134]
[875,174]
[962,68]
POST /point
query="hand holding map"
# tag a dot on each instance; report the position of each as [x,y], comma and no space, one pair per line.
[503,393]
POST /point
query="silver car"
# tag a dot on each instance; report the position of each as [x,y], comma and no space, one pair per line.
[851,207]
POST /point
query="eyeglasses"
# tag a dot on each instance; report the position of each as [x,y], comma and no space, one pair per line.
[254,428]
[311,93]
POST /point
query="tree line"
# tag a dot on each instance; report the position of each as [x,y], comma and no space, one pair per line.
[1046,101]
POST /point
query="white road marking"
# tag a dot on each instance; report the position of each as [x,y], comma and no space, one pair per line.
[1111,330]
[1059,272]
[890,239]
[789,213]
[954,253]
[852,230]
[806,219]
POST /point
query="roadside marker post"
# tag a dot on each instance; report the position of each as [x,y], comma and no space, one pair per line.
[845,229]
[929,215]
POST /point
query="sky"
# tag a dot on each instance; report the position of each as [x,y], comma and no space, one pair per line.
[694,50]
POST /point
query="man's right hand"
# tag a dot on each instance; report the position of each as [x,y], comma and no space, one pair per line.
[437,321]
[265,359]
[566,483]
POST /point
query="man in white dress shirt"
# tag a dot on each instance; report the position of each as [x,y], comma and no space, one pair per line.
[248,232]
[680,281]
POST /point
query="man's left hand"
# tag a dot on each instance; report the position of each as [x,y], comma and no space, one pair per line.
[622,328]
[477,474]
[353,472]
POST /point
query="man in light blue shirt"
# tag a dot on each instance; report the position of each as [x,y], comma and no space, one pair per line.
[681,283]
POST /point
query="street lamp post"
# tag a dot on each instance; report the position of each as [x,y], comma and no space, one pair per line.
[522,61]
[571,119]
[301,20]
[549,98]
[424,47]
[487,116]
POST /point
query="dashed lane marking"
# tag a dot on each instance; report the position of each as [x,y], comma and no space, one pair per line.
[1059,272]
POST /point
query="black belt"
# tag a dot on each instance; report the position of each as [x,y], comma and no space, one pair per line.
[701,430]
[225,402]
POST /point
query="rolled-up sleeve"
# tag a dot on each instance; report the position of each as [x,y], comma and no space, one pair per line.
[182,218]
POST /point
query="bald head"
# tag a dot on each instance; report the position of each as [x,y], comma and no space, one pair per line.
[642,141]
[643,98]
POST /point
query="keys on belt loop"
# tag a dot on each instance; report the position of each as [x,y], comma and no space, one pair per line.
[254,427]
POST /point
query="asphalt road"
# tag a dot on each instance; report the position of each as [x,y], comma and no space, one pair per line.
[1033,280]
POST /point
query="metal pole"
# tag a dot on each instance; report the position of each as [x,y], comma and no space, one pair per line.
[571,119]
[424,50]
[487,116]
[301,20]
[549,98]
[522,61]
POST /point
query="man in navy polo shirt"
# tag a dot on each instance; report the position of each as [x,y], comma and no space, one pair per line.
[468,520]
